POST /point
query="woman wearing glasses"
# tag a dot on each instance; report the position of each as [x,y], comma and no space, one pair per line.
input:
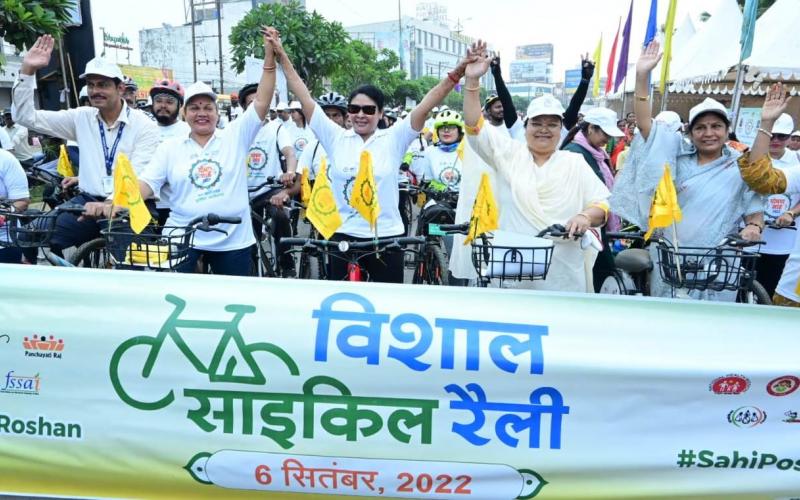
[548,186]
[387,147]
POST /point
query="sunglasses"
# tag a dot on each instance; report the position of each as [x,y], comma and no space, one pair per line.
[369,109]
[781,137]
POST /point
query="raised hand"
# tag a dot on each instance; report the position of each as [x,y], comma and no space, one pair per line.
[775,103]
[273,37]
[38,56]
[478,60]
[649,58]
[587,67]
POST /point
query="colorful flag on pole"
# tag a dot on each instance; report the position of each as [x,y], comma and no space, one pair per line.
[665,209]
[748,28]
[305,187]
[485,215]
[128,195]
[650,33]
[610,68]
[667,58]
[364,197]
[598,54]
[321,209]
[622,67]
[64,167]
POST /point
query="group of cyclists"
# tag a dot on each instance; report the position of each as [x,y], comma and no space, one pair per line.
[579,187]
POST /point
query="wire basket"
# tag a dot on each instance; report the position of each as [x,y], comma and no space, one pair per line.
[29,229]
[493,258]
[702,268]
[149,249]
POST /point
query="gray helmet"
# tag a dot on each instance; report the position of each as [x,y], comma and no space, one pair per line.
[333,100]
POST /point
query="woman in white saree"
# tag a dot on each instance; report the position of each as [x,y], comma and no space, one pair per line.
[713,198]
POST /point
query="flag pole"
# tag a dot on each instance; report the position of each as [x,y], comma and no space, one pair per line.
[737,93]
[675,246]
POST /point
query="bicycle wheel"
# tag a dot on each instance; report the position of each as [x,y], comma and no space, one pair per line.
[92,254]
[309,267]
[756,295]
[432,269]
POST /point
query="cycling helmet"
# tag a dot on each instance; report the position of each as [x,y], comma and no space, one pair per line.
[448,117]
[489,100]
[333,100]
[246,91]
[129,83]
[170,87]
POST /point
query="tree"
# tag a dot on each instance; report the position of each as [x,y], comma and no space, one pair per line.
[363,64]
[23,21]
[316,46]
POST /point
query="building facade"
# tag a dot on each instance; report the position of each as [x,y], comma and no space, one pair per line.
[533,64]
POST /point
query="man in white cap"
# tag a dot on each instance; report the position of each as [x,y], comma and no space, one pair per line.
[794,141]
[20,143]
[103,130]
[301,132]
[283,112]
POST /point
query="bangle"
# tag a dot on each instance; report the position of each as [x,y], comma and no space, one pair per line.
[640,98]
[768,134]
[453,78]
[268,68]
[472,89]
[759,226]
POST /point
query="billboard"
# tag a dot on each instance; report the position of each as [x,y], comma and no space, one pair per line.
[529,71]
[145,76]
[572,78]
[536,52]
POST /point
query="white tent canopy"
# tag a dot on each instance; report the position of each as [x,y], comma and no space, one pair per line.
[776,44]
[680,39]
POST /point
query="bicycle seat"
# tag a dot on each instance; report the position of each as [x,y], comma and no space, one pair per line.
[634,260]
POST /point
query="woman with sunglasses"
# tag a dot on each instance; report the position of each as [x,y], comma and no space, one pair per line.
[387,148]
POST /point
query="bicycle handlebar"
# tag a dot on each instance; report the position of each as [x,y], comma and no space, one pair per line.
[556,231]
[737,241]
[626,235]
[377,244]
[455,228]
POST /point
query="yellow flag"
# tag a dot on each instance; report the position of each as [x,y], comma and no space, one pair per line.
[485,215]
[305,187]
[64,167]
[364,197]
[665,209]
[598,54]
[666,59]
[321,209]
[460,149]
[127,194]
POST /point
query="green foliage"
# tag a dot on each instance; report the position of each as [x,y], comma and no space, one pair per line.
[316,46]
[363,64]
[23,21]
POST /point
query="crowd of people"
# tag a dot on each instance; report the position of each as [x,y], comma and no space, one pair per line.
[591,171]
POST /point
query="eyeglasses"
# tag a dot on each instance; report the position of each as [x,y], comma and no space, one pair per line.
[448,128]
[369,109]
[780,137]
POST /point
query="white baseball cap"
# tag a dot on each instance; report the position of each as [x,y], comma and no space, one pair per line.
[545,105]
[604,118]
[670,118]
[281,106]
[796,133]
[783,125]
[103,67]
[199,88]
[295,105]
[709,105]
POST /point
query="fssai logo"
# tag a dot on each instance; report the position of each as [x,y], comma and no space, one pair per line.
[20,384]
[729,384]
[43,347]
[747,416]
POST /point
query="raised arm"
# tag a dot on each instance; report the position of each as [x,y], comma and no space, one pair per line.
[571,114]
[641,94]
[293,80]
[509,111]
[472,83]
[266,86]
[439,92]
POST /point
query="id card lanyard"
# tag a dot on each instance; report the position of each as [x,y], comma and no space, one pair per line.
[108,155]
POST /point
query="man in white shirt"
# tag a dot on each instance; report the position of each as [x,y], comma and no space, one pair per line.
[20,147]
[13,188]
[108,127]
[5,140]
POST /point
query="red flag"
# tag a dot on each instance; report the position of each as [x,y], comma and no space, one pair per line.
[610,70]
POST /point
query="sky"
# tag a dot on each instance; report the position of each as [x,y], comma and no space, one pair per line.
[573,26]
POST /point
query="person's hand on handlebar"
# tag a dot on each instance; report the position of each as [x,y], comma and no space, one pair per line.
[785,220]
[68,182]
[279,199]
[751,232]
[578,225]
[98,210]
[288,178]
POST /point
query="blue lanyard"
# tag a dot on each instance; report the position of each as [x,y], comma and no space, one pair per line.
[109,158]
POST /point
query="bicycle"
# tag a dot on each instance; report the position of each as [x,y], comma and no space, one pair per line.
[351,252]
[32,229]
[53,194]
[431,266]
[265,260]
[121,248]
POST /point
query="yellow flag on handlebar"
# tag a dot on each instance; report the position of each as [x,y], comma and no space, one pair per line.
[665,209]
[321,209]
[485,215]
[305,187]
[64,167]
[365,192]
[127,194]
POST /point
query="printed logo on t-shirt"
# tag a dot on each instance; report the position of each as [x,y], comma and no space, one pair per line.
[450,176]
[776,205]
[205,174]
[257,158]
[300,144]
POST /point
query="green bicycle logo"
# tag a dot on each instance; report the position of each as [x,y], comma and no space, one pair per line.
[219,369]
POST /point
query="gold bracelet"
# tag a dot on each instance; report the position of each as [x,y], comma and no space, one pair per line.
[640,98]
[768,134]
[269,68]
[472,89]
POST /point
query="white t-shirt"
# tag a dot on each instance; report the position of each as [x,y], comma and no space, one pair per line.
[263,159]
[179,129]
[789,285]
[312,159]
[438,165]
[781,241]
[13,184]
[301,137]
[344,147]
[210,179]
[5,140]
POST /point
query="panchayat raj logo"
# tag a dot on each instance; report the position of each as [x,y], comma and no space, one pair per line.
[729,385]
[21,384]
[40,346]
[783,386]
[205,173]
[747,416]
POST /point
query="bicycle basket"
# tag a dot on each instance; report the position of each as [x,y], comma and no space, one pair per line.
[511,256]
[149,249]
[29,229]
[699,268]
